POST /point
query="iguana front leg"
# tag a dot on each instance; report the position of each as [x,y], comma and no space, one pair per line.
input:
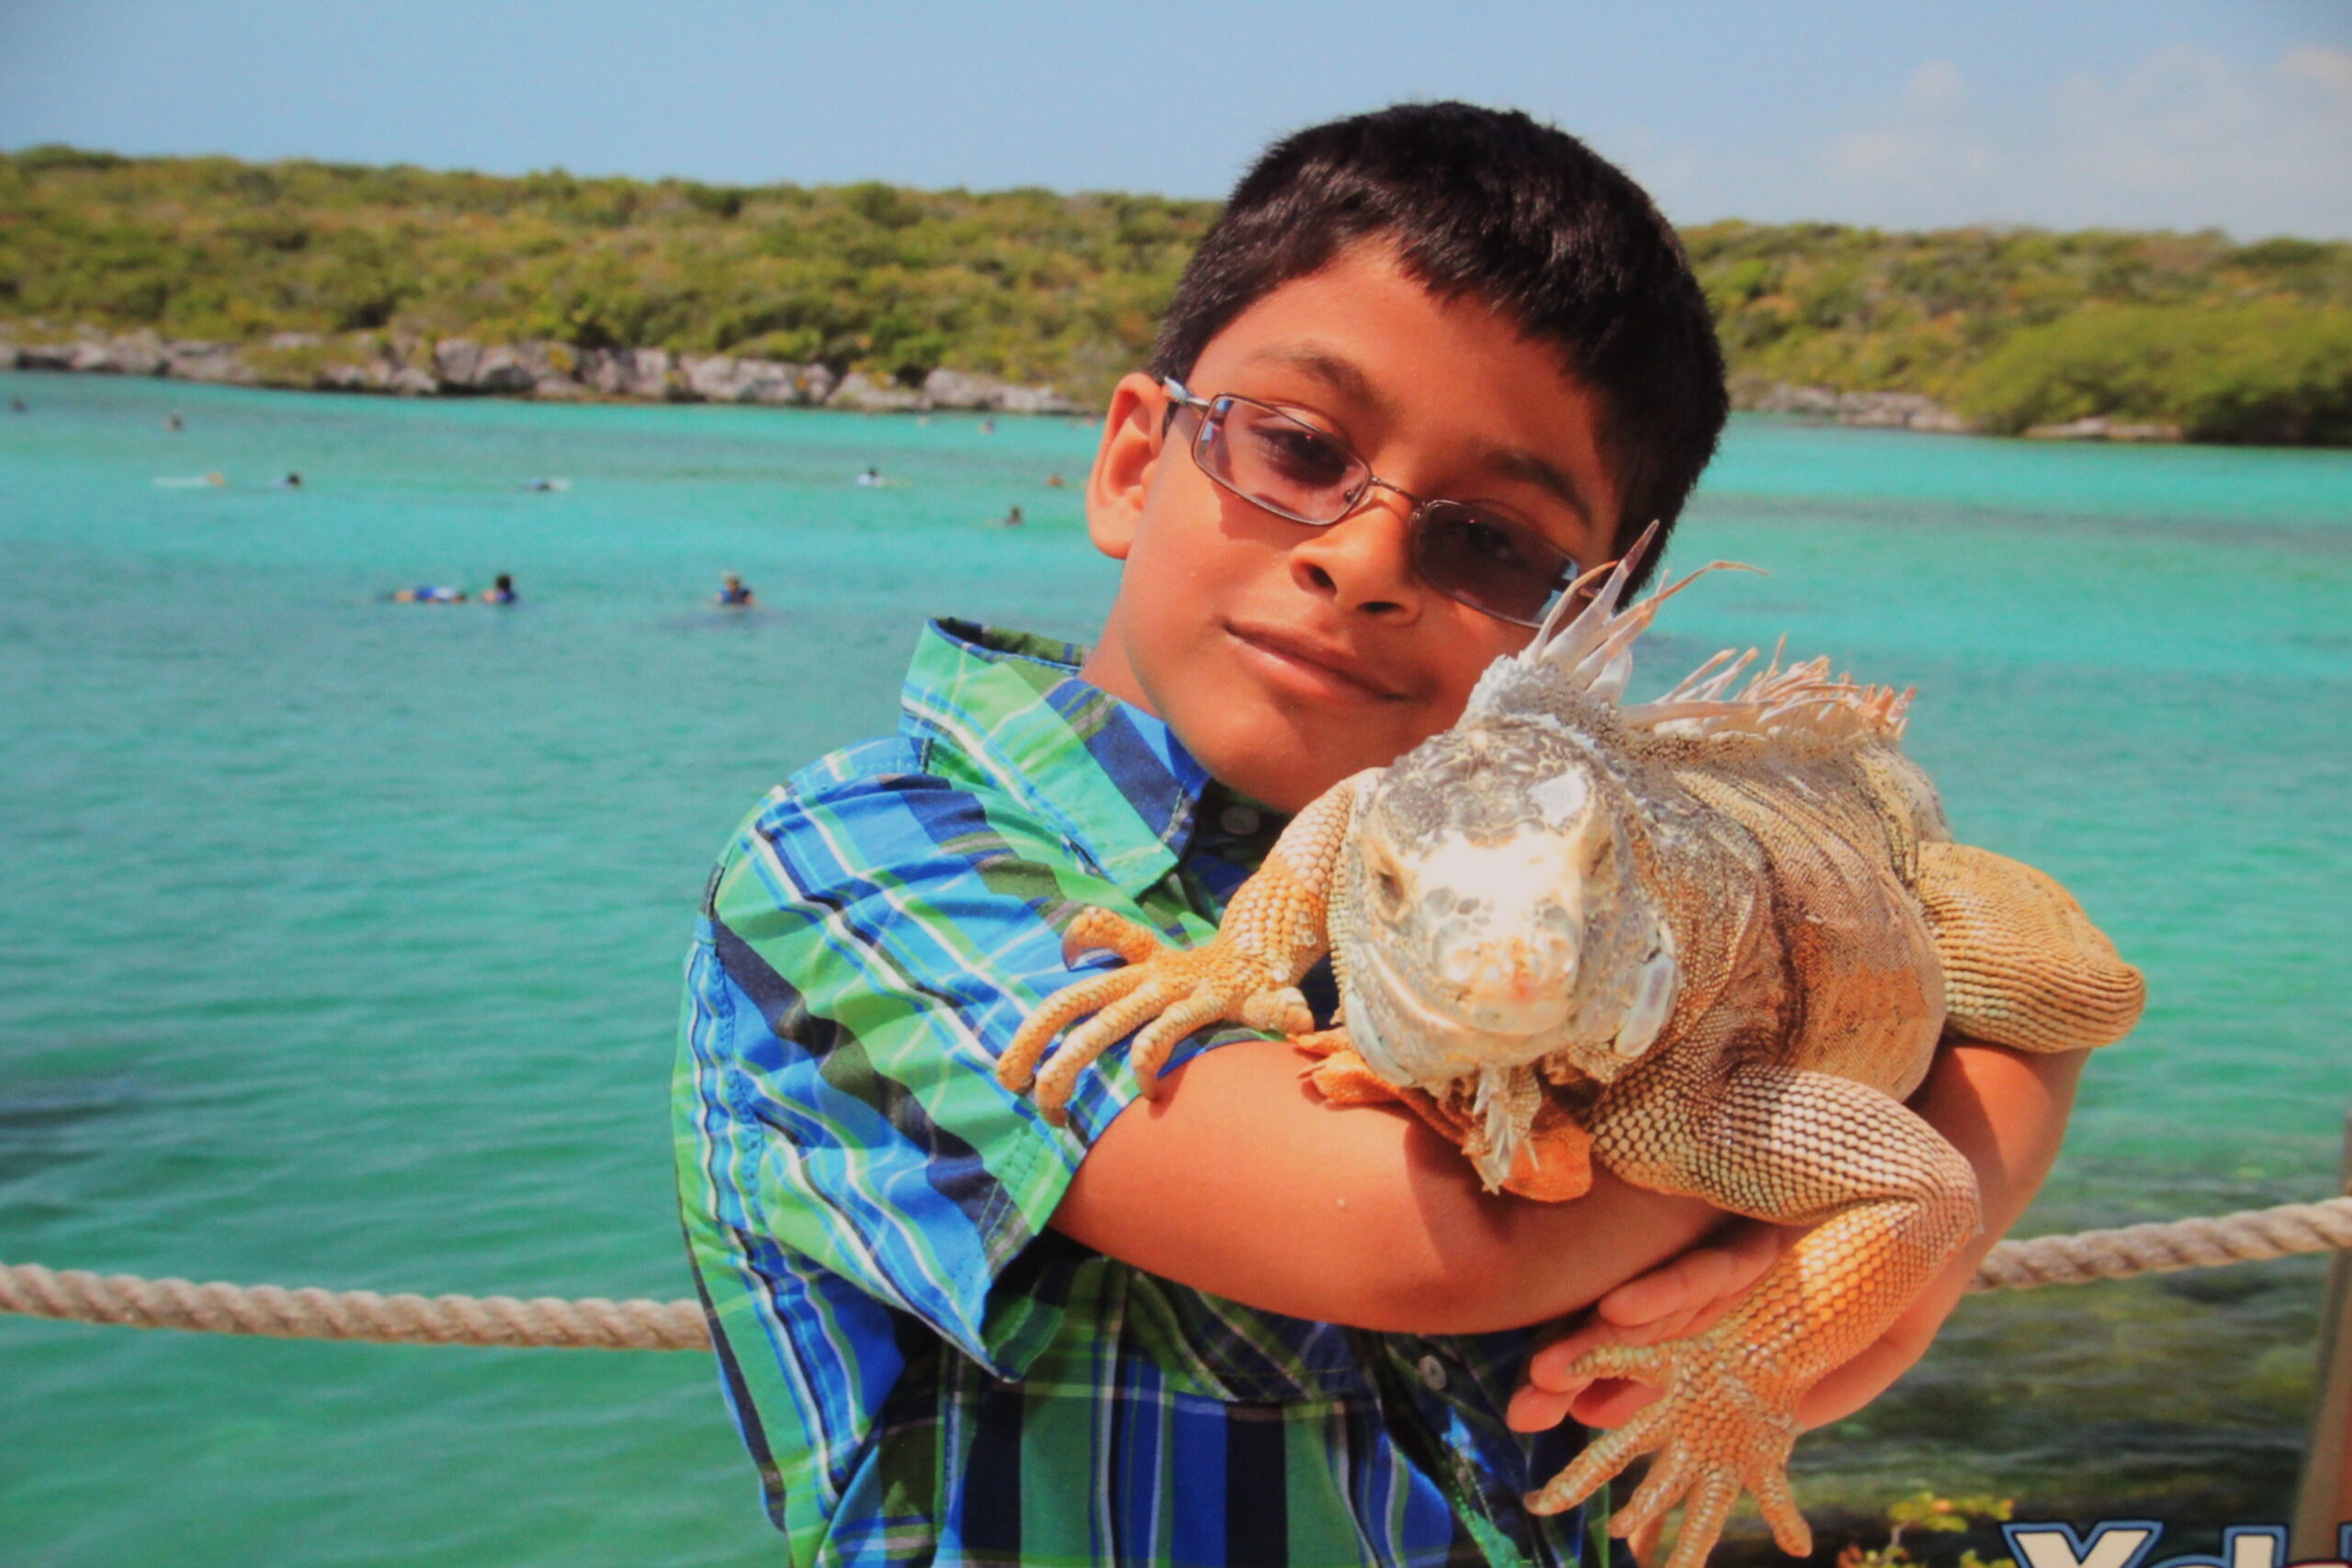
[1888,1200]
[1275,927]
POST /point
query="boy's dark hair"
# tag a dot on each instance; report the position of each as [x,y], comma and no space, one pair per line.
[1489,204]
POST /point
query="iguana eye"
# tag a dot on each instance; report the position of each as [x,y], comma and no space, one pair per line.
[1597,857]
[1388,890]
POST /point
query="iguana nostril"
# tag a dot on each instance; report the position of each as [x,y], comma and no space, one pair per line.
[1517,970]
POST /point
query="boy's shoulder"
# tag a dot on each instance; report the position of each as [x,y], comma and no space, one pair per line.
[884,759]
[1000,742]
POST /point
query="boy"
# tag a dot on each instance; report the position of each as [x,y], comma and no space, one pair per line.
[1430,363]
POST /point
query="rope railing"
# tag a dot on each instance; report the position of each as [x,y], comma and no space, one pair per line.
[594,1324]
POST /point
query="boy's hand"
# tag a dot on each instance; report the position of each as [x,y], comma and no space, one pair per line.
[1683,1296]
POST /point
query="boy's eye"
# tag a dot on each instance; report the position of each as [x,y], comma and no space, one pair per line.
[1294,453]
[1484,540]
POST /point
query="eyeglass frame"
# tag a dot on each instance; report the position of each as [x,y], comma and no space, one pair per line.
[1180,398]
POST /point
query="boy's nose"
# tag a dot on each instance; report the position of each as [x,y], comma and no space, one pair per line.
[1364,562]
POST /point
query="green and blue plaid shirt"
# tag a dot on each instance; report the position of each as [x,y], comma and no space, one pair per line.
[924,1371]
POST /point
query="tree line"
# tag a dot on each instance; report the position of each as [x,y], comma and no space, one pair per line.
[2014,327]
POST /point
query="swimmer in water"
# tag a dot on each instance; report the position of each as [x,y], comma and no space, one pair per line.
[733,594]
[430,594]
[502,592]
[1011,519]
[869,479]
[293,481]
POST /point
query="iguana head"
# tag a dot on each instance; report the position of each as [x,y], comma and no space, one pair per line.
[1496,914]
[1495,919]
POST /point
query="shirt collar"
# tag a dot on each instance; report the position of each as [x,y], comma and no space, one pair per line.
[1010,709]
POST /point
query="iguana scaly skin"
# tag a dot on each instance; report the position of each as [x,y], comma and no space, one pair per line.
[1713,938]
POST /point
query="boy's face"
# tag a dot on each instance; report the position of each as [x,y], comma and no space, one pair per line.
[1287,657]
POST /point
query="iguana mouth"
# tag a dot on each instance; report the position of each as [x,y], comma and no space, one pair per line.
[1391,1012]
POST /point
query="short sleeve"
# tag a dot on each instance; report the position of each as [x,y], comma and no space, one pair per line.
[868,950]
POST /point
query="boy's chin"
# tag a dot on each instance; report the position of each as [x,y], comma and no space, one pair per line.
[1288,768]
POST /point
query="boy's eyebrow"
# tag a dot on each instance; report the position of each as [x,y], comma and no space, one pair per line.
[1340,373]
[1518,463]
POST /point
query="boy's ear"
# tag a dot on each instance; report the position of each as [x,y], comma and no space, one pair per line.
[1124,464]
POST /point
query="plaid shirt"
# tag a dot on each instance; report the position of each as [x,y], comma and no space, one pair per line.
[923,1370]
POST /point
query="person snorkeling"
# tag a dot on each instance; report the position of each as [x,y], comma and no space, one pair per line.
[429,593]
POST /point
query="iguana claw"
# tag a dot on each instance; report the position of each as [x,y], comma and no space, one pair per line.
[1163,995]
[1714,1434]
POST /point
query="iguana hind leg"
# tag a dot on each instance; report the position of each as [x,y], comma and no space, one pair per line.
[1888,1200]
[2023,965]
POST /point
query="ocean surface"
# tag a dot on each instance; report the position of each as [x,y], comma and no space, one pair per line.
[340,939]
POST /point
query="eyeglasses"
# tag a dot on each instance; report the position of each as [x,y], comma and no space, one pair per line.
[1474,555]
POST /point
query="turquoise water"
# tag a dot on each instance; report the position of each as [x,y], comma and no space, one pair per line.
[340,939]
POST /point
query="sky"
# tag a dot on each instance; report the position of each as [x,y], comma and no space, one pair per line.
[2179,113]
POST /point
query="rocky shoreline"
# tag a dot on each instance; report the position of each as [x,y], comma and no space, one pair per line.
[1916,411]
[403,366]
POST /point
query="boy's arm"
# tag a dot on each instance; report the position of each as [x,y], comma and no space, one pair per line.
[1238,1180]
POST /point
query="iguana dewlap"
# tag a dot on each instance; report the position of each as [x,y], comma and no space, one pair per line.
[1709,942]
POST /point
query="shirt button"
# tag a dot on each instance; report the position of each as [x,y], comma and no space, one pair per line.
[1238,820]
[1432,1373]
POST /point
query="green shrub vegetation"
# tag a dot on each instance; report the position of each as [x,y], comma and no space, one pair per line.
[2275,371]
[2017,327]
[1024,284]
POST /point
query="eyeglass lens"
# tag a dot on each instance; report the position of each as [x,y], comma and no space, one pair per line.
[1485,559]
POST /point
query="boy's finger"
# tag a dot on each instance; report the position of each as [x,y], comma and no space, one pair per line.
[1608,1402]
[1533,1410]
[1547,1368]
[1699,1277]
[1611,1402]
[1684,1285]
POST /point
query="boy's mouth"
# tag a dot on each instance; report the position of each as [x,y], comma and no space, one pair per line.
[1302,660]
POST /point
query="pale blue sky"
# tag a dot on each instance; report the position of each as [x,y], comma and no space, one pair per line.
[2145,113]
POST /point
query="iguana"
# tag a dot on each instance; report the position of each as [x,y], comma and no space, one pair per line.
[1712,941]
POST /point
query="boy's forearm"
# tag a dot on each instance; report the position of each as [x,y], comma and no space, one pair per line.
[1239,1182]
[2006,1112]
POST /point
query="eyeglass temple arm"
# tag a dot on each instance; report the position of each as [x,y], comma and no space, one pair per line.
[1181,396]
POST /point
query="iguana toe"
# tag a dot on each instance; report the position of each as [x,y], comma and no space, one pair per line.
[1713,1434]
[1094,929]
[1163,995]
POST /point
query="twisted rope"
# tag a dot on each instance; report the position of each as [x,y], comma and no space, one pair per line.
[2246,1236]
[500,1321]
[547,1321]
